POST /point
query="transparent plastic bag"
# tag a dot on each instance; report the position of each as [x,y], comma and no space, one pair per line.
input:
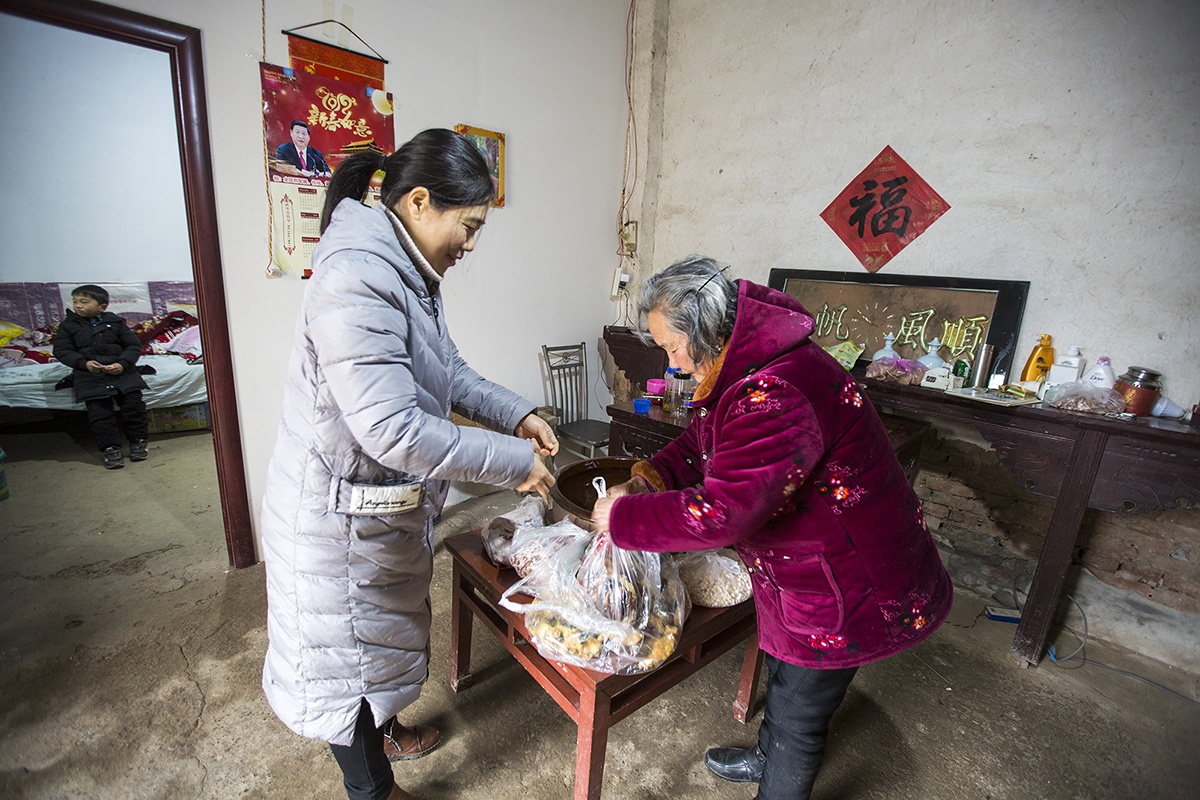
[1086,397]
[618,611]
[531,546]
[498,534]
[714,578]
[896,370]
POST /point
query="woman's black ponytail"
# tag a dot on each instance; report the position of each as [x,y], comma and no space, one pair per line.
[352,178]
[444,162]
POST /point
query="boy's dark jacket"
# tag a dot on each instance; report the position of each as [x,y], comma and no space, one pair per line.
[77,342]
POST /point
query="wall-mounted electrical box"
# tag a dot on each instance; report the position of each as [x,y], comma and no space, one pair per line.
[619,281]
[629,236]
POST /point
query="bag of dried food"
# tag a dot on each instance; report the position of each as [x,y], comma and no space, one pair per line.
[558,544]
[1084,396]
[616,611]
[498,534]
[714,578]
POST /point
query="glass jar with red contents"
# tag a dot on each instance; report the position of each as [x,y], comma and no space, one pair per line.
[1140,387]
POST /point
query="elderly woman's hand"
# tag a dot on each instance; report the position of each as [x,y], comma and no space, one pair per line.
[535,429]
[601,512]
[603,508]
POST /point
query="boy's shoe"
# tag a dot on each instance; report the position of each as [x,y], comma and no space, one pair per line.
[113,458]
[137,451]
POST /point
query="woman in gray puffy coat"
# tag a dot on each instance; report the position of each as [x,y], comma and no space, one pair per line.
[366,451]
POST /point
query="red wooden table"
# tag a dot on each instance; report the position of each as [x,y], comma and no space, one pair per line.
[595,701]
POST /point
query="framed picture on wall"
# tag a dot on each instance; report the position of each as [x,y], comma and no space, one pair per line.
[491,144]
[961,313]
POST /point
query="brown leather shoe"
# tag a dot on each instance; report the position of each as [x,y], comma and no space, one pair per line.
[401,743]
[399,794]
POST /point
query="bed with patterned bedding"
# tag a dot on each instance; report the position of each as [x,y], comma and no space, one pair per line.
[175,382]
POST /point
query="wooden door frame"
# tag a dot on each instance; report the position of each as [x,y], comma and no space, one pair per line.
[182,44]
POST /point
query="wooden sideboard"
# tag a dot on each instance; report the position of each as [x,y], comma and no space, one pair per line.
[1082,460]
[639,361]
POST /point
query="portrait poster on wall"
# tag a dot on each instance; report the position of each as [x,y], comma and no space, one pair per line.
[312,123]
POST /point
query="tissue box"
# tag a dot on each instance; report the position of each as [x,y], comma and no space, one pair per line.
[940,378]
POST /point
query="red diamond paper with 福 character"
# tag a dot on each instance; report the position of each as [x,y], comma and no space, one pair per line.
[883,210]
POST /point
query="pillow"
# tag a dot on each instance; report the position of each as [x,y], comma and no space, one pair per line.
[186,342]
[9,331]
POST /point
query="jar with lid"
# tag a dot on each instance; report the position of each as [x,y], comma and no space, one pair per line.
[1140,387]
[685,387]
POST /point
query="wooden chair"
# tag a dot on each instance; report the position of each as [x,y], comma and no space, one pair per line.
[566,366]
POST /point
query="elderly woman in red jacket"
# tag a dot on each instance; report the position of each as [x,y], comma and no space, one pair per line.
[787,461]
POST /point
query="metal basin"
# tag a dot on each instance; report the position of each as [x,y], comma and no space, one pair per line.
[573,494]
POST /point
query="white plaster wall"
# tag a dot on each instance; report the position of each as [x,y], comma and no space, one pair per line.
[1065,136]
[548,74]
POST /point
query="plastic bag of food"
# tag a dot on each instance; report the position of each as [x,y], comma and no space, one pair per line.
[896,370]
[498,534]
[714,578]
[1086,397]
[562,542]
[620,611]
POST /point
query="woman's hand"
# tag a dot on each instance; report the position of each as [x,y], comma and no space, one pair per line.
[535,429]
[602,511]
[540,479]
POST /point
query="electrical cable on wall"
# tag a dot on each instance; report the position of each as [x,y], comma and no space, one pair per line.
[628,172]
[273,269]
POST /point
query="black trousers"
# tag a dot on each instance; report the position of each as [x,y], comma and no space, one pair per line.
[106,424]
[800,703]
[366,772]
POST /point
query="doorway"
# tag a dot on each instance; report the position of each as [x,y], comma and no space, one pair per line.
[183,47]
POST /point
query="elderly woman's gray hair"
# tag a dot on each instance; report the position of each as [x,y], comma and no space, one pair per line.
[696,299]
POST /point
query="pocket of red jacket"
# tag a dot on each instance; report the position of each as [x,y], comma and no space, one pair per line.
[810,601]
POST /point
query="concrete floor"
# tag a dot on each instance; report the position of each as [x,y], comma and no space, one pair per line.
[130,657]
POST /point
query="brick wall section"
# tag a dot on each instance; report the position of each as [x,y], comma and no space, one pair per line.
[991,531]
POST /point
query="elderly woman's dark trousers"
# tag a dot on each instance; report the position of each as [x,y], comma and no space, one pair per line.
[800,703]
[366,771]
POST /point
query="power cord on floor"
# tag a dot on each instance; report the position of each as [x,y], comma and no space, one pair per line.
[1052,653]
[968,627]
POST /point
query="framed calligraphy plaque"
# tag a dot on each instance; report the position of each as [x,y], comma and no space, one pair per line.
[883,210]
[962,313]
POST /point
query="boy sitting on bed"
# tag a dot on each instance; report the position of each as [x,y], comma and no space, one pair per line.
[102,351]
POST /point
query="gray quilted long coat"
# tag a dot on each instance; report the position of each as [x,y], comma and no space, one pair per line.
[364,456]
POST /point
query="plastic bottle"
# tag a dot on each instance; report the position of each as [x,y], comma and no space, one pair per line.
[1067,368]
[1038,365]
[685,387]
[670,392]
[1102,374]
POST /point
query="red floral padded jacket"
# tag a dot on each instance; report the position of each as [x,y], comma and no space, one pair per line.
[788,462]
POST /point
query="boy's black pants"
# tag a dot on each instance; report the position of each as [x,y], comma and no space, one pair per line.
[107,422]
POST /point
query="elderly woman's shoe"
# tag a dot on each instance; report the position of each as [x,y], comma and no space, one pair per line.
[401,743]
[399,794]
[738,764]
